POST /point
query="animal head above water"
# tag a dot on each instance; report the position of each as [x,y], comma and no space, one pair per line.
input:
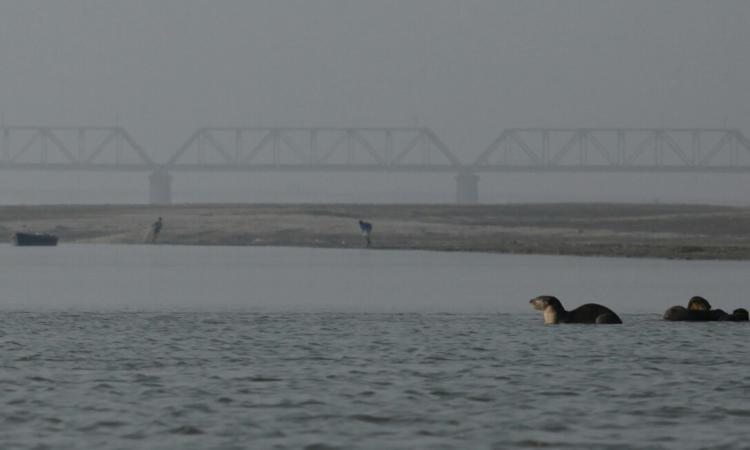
[545,301]
[699,304]
[550,306]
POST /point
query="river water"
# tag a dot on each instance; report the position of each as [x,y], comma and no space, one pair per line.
[163,347]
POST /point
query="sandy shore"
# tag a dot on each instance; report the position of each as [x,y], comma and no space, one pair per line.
[653,230]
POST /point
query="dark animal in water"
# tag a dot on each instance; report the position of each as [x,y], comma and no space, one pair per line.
[366,228]
[589,313]
[740,315]
[676,313]
[699,310]
[698,304]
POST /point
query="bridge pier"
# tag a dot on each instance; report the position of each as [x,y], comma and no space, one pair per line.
[160,183]
[467,188]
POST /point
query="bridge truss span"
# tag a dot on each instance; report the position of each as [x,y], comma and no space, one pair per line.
[313,149]
[378,150]
[71,148]
[617,150]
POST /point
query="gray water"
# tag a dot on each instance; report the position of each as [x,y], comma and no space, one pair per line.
[210,347]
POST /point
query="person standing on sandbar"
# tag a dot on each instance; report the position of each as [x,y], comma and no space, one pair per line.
[155,230]
[366,228]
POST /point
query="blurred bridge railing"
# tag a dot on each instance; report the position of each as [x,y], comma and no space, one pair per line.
[616,150]
[314,149]
[71,148]
[283,149]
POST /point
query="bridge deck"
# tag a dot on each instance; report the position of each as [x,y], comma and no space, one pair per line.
[379,150]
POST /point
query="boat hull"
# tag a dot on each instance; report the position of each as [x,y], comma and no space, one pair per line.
[34,239]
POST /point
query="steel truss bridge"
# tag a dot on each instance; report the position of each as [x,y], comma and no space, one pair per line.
[408,150]
[617,150]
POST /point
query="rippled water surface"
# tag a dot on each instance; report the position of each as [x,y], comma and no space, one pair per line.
[342,374]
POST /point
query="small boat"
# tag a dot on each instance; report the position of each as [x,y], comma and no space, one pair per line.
[22,239]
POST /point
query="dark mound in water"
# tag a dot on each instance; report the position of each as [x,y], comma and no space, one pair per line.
[719,315]
[740,315]
[699,310]
[589,313]
[676,313]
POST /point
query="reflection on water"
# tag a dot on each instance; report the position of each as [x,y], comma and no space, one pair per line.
[199,347]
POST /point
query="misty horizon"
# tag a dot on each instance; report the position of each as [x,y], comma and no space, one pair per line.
[465,70]
[468,70]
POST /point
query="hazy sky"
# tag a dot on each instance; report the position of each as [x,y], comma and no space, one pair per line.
[465,68]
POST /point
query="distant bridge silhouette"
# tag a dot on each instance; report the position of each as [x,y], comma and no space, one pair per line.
[406,150]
